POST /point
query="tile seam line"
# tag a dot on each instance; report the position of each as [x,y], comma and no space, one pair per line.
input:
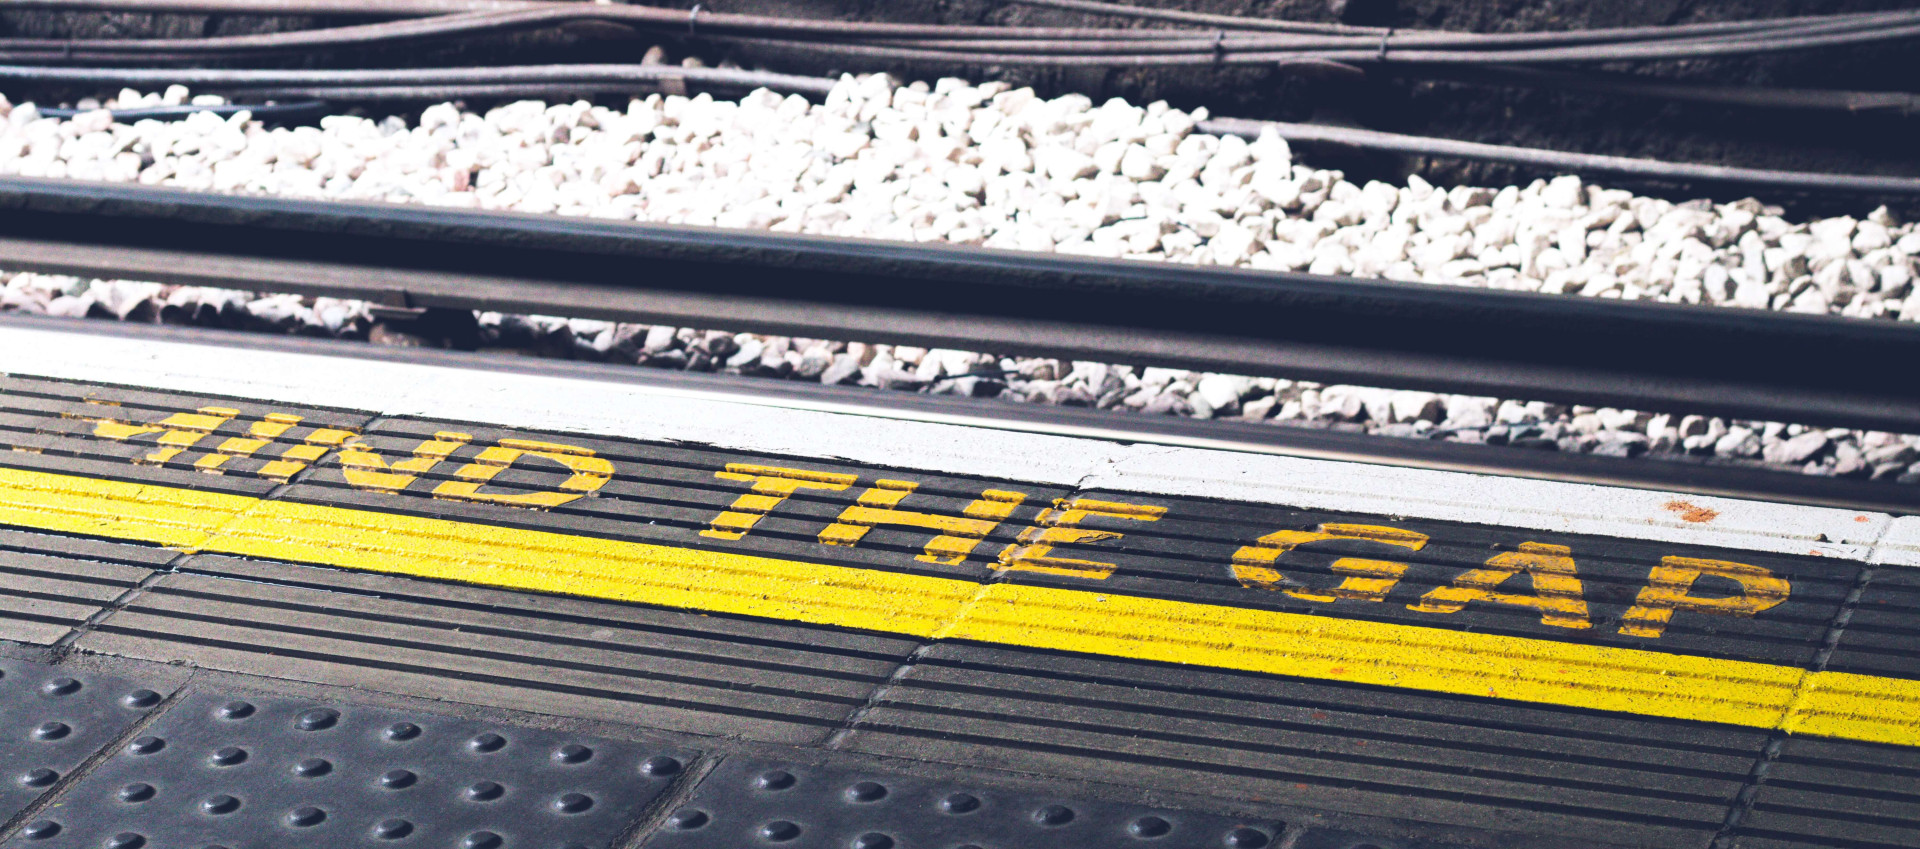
[840,736]
[67,641]
[1742,803]
[9,828]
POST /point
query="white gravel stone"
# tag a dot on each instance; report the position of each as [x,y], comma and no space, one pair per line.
[1004,168]
[1798,449]
[1223,391]
[1738,442]
[1001,167]
[1410,406]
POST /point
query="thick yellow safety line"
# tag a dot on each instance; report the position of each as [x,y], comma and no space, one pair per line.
[1539,671]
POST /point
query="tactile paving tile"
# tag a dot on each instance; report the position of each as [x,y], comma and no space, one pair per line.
[254,772]
[52,719]
[746,803]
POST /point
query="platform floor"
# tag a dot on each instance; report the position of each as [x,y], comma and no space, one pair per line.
[258,598]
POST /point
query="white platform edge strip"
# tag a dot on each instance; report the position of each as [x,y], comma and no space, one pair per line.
[573,405]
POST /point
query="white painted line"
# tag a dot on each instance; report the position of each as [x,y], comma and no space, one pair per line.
[1901,545]
[573,405]
[1488,499]
[557,404]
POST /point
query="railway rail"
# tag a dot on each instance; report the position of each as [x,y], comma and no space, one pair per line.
[1749,364]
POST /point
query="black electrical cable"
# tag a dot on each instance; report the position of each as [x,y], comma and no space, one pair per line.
[368,8]
[1653,169]
[1369,56]
[1122,10]
[1900,102]
[1238,22]
[277,111]
[314,80]
[567,80]
[429,8]
[1148,47]
[493,91]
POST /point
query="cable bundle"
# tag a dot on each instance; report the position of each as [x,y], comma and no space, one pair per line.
[1244,42]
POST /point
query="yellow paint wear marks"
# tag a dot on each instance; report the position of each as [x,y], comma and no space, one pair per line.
[261,434]
[1366,579]
[1670,588]
[364,469]
[1557,593]
[1623,680]
[959,534]
[771,485]
[1059,525]
[178,432]
[589,474]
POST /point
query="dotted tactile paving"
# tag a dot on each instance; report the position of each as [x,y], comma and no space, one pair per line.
[254,772]
[52,719]
[745,803]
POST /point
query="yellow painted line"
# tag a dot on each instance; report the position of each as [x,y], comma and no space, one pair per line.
[1858,707]
[588,566]
[1621,680]
[1391,655]
[164,515]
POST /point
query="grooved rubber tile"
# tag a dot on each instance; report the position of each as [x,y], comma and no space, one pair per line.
[1876,662]
[669,495]
[746,802]
[1828,793]
[1189,555]
[1883,635]
[253,772]
[52,719]
[628,663]
[49,585]
[1319,745]
[60,421]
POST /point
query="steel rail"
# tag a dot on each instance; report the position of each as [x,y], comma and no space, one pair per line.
[1741,363]
[1701,476]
